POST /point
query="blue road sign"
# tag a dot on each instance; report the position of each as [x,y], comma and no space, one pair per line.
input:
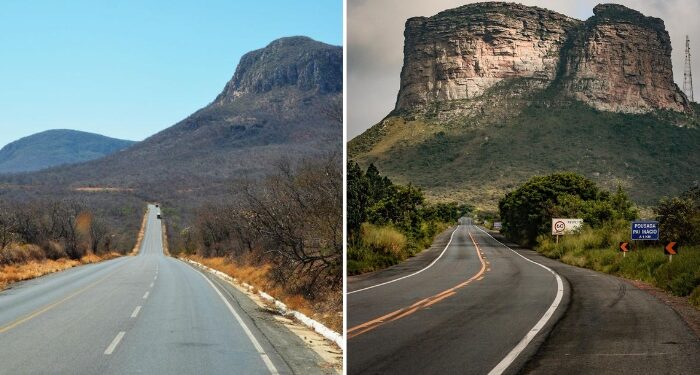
[645,230]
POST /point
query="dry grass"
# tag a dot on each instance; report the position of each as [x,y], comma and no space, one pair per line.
[34,268]
[258,277]
[142,232]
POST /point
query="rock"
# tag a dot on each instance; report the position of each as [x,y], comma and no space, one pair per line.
[618,60]
[298,61]
[621,62]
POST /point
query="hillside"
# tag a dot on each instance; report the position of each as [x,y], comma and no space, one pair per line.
[56,147]
[489,99]
[279,105]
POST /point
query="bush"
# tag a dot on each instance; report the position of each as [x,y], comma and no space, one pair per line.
[527,212]
[385,240]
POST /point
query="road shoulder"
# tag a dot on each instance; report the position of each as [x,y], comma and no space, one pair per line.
[302,350]
[410,265]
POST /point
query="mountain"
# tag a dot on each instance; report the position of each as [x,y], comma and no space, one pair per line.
[281,104]
[56,147]
[494,93]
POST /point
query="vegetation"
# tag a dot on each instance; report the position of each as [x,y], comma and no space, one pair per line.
[290,223]
[509,139]
[46,236]
[527,211]
[388,223]
[56,147]
[607,219]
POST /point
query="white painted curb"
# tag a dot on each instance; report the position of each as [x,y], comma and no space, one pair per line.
[324,331]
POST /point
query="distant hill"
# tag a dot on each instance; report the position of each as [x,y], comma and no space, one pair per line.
[283,103]
[56,147]
[494,93]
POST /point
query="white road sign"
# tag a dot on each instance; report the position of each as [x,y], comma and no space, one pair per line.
[565,226]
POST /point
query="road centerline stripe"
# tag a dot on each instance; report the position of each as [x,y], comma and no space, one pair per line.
[403,312]
[115,342]
[136,311]
[145,296]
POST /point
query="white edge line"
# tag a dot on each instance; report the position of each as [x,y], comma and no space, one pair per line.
[270,366]
[415,273]
[510,357]
[115,342]
[136,311]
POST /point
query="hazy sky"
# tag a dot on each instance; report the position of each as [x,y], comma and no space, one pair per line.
[128,69]
[375,44]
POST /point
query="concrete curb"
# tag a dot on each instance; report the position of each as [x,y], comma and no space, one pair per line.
[324,331]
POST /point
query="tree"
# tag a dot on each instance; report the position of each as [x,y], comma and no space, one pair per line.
[527,211]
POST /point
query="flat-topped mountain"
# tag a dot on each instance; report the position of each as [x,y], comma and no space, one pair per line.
[56,147]
[494,93]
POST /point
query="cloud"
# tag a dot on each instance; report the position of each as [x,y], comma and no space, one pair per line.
[375,44]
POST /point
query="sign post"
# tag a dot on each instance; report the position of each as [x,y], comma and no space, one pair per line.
[562,226]
[670,249]
[624,248]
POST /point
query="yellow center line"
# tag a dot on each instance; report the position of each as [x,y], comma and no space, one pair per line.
[426,302]
[46,308]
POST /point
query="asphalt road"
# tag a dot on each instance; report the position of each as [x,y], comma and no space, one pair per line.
[440,329]
[600,325]
[146,314]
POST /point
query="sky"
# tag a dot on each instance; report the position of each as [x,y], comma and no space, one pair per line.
[128,69]
[375,45]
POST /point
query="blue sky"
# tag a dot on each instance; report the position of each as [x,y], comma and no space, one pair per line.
[129,69]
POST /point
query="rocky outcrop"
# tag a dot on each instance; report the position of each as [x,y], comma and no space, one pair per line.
[298,62]
[621,61]
[618,60]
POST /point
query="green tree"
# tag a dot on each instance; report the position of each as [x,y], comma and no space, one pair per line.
[527,211]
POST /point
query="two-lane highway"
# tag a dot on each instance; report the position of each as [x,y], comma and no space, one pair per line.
[473,309]
[148,314]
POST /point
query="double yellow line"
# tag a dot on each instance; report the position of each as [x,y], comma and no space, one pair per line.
[426,302]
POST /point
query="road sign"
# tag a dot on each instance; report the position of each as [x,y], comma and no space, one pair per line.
[624,246]
[497,225]
[565,226]
[645,230]
[671,248]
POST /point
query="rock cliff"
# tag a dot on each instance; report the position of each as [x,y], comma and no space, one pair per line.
[298,62]
[618,60]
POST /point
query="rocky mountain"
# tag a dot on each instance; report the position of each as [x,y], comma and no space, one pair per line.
[281,105]
[56,147]
[492,93]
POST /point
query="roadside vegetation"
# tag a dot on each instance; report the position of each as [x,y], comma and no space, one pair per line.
[388,223]
[282,234]
[41,237]
[526,214]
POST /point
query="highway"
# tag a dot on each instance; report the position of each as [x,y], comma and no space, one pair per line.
[472,305]
[144,314]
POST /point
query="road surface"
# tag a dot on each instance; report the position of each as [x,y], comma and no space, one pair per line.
[147,314]
[440,313]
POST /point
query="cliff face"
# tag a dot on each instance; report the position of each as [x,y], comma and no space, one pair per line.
[621,62]
[297,62]
[618,60]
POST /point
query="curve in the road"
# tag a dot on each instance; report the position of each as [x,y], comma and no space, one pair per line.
[412,274]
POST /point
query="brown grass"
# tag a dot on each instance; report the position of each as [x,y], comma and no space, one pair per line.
[257,276]
[139,239]
[34,268]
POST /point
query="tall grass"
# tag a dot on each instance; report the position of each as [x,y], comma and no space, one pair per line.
[598,249]
[383,246]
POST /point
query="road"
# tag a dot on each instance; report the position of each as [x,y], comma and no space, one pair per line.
[147,314]
[515,315]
